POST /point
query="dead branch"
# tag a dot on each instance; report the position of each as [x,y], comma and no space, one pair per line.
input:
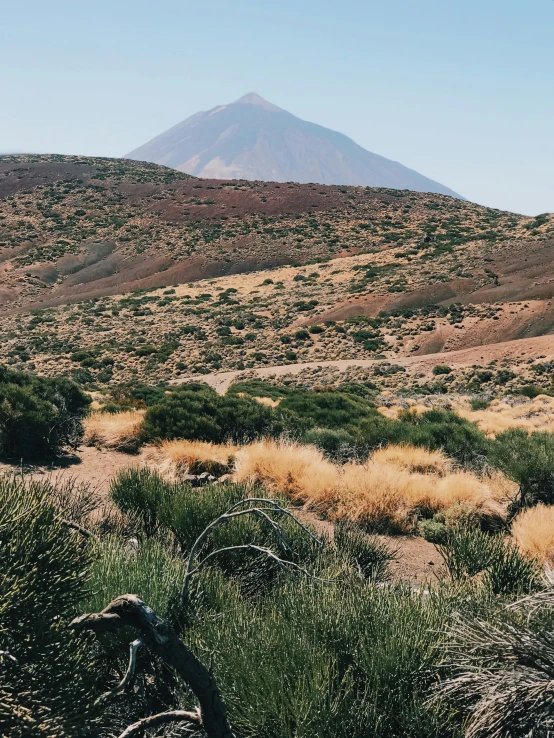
[163,718]
[161,639]
[75,526]
[129,674]
[234,512]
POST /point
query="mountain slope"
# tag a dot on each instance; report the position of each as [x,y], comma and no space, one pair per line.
[254,139]
[76,227]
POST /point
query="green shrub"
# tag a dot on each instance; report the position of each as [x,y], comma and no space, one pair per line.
[435,430]
[47,681]
[469,551]
[479,403]
[338,445]
[441,369]
[530,390]
[201,414]
[370,556]
[39,416]
[327,660]
[528,459]
[335,410]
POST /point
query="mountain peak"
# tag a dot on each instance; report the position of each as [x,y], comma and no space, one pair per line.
[252,98]
[254,139]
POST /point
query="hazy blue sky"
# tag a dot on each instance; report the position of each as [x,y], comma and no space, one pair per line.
[461,91]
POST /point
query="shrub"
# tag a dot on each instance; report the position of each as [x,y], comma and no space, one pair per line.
[39,416]
[469,551]
[441,369]
[327,409]
[203,415]
[435,430]
[327,660]
[479,403]
[46,674]
[528,459]
[367,554]
[338,445]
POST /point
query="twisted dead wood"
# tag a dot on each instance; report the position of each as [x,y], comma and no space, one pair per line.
[161,639]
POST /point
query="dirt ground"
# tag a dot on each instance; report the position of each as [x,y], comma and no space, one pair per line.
[417,561]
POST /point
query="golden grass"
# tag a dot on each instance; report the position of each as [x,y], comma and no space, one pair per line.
[116,431]
[532,415]
[533,531]
[414,459]
[267,401]
[300,472]
[385,493]
[195,457]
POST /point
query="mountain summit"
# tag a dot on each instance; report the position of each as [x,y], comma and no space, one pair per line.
[253,139]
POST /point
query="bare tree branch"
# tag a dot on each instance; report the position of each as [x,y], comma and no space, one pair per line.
[234,512]
[161,639]
[154,721]
[129,674]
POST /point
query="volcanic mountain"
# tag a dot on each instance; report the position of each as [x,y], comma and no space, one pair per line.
[255,140]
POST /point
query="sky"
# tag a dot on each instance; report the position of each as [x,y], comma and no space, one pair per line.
[462,92]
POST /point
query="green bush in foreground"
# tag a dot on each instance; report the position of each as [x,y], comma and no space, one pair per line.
[39,416]
[46,674]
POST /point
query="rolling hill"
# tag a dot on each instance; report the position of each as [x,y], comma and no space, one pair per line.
[113,271]
[255,140]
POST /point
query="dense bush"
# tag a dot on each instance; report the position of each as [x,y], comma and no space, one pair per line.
[435,429]
[528,459]
[39,416]
[46,675]
[468,551]
[199,413]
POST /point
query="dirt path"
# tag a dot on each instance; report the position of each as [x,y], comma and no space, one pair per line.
[520,350]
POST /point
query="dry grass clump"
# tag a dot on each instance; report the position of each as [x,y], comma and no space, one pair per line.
[532,415]
[414,459]
[385,494]
[117,431]
[533,531]
[300,472]
[195,457]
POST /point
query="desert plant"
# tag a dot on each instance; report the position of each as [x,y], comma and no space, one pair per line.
[39,416]
[369,555]
[500,669]
[46,675]
[528,459]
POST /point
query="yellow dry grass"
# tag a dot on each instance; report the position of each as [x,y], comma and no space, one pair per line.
[385,493]
[533,531]
[116,431]
[414,459]
[267,401]
[532,415]
[300,472]
[197,456]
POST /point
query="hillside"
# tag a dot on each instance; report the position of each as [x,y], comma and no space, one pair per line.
[114,271]
[256,140]
[74,227]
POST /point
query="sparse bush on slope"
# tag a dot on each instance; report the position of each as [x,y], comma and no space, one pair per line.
[39,416]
